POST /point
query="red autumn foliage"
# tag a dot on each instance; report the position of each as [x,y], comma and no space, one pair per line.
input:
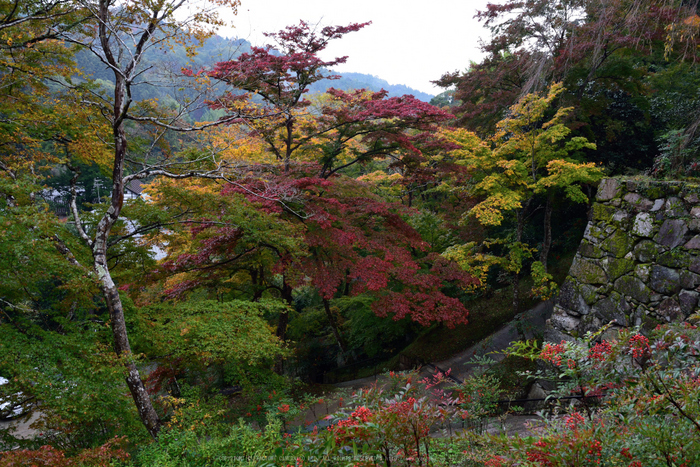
[48,456]
[366,124]
[357,243]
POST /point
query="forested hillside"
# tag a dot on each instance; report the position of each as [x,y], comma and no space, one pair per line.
[200,235]
[169,62]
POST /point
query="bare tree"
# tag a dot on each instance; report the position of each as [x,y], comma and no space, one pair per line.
[120,35]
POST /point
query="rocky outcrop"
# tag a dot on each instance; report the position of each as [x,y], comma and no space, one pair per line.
[638,263]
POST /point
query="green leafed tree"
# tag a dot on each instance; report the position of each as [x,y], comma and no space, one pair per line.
[530,157]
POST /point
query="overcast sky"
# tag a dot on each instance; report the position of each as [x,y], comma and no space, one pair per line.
[409,42]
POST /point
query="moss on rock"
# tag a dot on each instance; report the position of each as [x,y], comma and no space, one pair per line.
[618,244]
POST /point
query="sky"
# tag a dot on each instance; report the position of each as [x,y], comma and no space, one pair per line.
[409,42]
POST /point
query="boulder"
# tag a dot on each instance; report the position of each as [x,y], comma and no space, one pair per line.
[609,188]
[638,202]
[689,280]
[613,308]
[563,321]
[602,213]
[646,251]
[589,250]
[619,267]
[670,310]
[675,259]
[633,287]
[643,225]
[693,243]
[688,302]
[620,217]
[658,204]
[618,244]
[642,271]
[588,272]
[571,299]
[672,232]
[692,198]
[675,208]
[695,264]
[664,280]
[594,234]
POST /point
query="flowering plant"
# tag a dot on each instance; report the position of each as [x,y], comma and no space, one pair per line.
[647,393]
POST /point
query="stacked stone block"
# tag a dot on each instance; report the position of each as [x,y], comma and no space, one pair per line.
[638,263]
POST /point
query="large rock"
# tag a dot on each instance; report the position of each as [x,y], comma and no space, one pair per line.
[670,310]
[618,244]
[589,323]
[646,251]
[613,308]
[693,243]
[589,293]
[621,217]
[692,198]
[619,267]
[633,287]
[695,265]
[677,258]
[642,271]
[588,272]
[563,321]
[594,234]
[664,280]
[675,208]
[571,299]
[689,280]
[658,204]
[643,225]
[672,232]
[552,334]
[536,398]
[602,213]
[609,188]
[638,202]
[688,302]
[589,250]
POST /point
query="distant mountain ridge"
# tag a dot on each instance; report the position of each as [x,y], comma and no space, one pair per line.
[213,50]
[373,83]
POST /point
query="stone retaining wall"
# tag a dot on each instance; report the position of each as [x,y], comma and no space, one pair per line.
[638,263]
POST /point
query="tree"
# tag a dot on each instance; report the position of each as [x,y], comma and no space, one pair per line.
[602,52]
[531,155]
[348,242]
[120,38]
[358,125]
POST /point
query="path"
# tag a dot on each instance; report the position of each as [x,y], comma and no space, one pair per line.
[526,325]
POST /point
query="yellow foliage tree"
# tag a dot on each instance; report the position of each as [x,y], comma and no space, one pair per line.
[529,155]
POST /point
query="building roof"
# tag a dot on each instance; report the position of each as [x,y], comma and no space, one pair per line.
[135,186]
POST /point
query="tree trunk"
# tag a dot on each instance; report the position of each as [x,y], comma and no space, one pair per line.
[334,326]
[148,415]
[142,399]
[522,213]
[284,317]
[283,322]
[547,243]
[122,101]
